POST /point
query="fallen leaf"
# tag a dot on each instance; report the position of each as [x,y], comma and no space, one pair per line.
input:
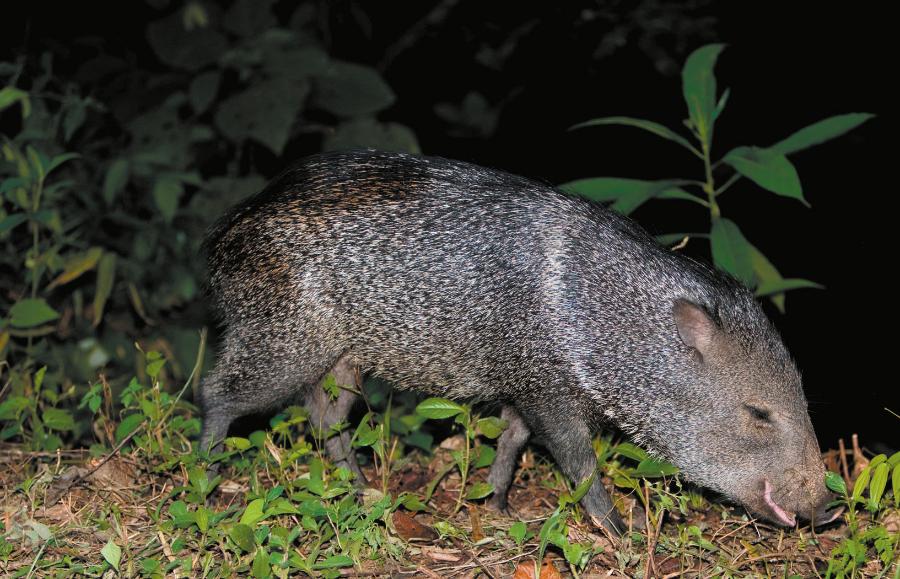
[410,529]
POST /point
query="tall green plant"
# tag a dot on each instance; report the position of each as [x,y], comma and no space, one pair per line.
[768,167]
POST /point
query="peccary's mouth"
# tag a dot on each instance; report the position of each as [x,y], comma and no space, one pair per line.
[781,515]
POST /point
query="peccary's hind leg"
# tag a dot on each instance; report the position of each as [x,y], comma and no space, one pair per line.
[325,411]
[248,380]
[509,447]
[569,440]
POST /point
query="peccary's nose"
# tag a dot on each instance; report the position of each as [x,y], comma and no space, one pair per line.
[825,514]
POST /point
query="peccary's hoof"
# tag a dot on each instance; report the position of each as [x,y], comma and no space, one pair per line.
[498,505]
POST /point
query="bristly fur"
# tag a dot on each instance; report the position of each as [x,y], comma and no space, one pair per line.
[466,282]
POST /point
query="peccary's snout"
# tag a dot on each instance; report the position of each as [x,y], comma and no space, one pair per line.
[795,502]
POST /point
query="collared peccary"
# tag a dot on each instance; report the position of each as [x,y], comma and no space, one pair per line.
[465,282]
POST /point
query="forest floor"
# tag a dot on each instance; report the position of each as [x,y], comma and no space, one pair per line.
[69,514]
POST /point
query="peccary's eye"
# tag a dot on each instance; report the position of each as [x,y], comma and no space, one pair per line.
[758,413]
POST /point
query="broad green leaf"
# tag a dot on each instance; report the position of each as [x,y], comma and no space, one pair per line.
[9,222]
[346,89]
[651,468]
[819,132]
[783,285]
[58,419]
[835,483]
[653,127]
[895,485]
[183,46]
[243,537]
[517,531]
[128,425]
[486,455]
[77,265]
[10,95]
[583,487]
[766,273]
[112,553]
[731,250]
[631,451]
[167,193]
[699,88]
[59,160]
[479,491]
[31,312]
[879,482]
[253,512]
[115,180]
[261,568]
[894,459]
[106,273]
[203,90]
[862,481]
[491,426]
[768,169]
[438,408]
[334,562]
[367,132]
[12,406]
[265,112]
[627,194]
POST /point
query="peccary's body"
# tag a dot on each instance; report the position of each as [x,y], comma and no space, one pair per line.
[465,282]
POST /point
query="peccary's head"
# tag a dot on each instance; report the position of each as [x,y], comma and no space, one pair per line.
[739,422]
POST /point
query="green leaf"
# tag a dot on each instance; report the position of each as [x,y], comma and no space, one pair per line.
[346,89]
[112,553]
[650,468]
[243,537]
[334,562]
[631,451]
[768,169]
[485,457]
[265,112]
[783,285]
[862,481]
[10,95]
[59,160]
[627,194]
[128,425]
[836,483]
[720,106]
[11,221]
[517,531]
[58,419]
[878,484]
[653,127]
[106,273]
[895,485]
[438,408]
[766,273]
[583,487]
[819,132]
[261,568]
[167,192]
[479,491]
[115,180]
[699,88]
[77,265]
[31,312]
[491,426]
[367,132]
[253,512]
[203,90]
[185,47]
[731,250]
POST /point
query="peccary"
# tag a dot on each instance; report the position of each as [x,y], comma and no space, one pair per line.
[471,283]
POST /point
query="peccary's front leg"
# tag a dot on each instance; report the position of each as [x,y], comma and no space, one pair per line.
[509,447]
[569,440]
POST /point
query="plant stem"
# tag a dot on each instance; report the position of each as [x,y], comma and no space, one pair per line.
[464,467]
[709,187]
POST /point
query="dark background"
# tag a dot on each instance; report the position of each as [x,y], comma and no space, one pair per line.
[787,64]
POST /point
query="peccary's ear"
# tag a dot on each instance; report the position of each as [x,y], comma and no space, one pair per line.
[696,328]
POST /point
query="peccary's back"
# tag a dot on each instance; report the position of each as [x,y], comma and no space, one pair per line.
[452,278]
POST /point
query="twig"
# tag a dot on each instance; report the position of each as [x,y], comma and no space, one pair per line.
[844,467]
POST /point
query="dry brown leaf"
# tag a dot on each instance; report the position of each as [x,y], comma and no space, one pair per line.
[475,520]
[409,529]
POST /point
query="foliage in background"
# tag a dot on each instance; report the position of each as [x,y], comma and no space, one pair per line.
[768,167]
[100,248]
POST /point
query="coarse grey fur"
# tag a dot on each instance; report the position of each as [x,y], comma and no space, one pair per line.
[470,283]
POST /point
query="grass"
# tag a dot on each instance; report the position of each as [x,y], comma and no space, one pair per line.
[139,503]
